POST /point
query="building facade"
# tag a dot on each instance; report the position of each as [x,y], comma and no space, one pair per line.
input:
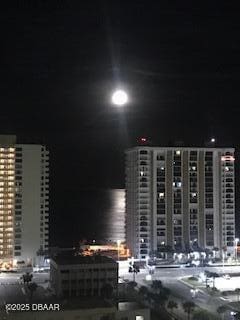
[181,198]
[24,188]
[82,275]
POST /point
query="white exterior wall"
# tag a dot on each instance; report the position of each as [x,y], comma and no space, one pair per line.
[34,207]
[208,164]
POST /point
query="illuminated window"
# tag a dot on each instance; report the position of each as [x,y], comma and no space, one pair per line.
[161,195]
[178,152]
[226,168]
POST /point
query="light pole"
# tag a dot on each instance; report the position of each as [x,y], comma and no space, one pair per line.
[236,247]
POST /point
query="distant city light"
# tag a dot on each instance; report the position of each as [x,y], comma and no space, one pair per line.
[119,98]
[142,139]
[213,140]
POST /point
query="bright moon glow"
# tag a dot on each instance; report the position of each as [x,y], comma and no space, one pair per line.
[119,98]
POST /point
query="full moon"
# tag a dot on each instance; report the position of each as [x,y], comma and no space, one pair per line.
[119,98]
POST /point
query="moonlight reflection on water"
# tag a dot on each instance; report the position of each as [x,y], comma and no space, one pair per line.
[115,224]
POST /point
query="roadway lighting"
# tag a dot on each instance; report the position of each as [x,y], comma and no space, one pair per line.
[119,97]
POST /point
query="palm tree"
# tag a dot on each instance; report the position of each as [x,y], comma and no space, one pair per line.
[143,291]
[221,310]
[162,296]
[172,304]
[32,287]
[27,277]
[188,307]
[156,285]
[237,290]
[152,298]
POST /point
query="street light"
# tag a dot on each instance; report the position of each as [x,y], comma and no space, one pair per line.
[236,247]
[119,98]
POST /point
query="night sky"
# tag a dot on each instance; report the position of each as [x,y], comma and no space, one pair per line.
[60,62]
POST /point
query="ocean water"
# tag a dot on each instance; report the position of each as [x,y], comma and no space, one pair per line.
[94,214]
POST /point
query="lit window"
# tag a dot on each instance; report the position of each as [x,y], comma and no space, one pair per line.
[141,173]
[179,184]
[226,168]
[194,194]
[162,168]
[161,195]
[193,168]
[178,152]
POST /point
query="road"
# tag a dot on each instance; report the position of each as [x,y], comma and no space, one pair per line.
[171,277]
[12,289]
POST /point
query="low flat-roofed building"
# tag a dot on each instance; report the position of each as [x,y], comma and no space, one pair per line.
[82,275]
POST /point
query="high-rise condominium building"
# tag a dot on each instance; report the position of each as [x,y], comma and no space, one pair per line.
[23,201]
[179,197]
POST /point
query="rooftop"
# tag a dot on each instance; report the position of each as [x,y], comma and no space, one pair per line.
[181,148]
[68,259]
